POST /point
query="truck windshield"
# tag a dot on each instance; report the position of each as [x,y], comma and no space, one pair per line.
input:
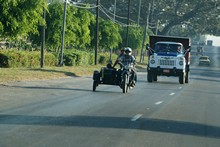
[162,47]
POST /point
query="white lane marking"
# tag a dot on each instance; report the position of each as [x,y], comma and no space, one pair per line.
[172,93]
[180,87]
[158,103]
[136,117]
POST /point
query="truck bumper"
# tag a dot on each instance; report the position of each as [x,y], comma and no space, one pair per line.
[165,72]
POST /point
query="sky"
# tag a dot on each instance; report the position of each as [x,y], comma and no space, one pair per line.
[216,39]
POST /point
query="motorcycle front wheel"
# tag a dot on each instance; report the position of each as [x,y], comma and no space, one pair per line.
[124,84]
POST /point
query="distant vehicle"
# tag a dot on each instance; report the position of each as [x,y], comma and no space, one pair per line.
[209,42]
[202,43]
[199,50]
[195,42]
[204,60]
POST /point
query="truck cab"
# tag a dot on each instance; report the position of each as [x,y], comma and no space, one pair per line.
[168,56]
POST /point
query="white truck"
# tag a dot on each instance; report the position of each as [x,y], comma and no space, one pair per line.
[168,56]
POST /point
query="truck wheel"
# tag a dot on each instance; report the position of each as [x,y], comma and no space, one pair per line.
[182,78]
[149,77]
[155,77]
[187,77]
[95,84]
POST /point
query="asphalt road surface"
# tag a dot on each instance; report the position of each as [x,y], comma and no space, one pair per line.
[67,113]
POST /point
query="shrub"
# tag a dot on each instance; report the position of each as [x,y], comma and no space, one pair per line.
[75,57]
[15,58]
[3,60]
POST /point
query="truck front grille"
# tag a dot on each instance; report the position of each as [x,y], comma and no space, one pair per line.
[167,62]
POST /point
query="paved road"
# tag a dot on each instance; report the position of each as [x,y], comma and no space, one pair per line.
[66,112]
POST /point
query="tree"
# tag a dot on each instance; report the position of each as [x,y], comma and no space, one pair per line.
[110,36]
[77,32]
[200,16]
[135,37]
[18,18]
[187,14]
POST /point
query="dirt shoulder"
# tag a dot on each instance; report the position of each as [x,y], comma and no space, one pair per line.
[9,75]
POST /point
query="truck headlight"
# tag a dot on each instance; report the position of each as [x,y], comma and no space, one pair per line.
[180,62]
[152,61]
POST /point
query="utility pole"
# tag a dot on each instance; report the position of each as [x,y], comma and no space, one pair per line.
[97,32]
[157,25]
[43,40]
[128,21]
[139,12]
[114,10]
[145,33]
[63,35]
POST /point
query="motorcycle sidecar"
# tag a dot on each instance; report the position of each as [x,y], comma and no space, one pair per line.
[106,76]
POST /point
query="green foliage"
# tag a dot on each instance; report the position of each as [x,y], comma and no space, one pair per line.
[77,32]
[21,21]
[1,28]
[135,37]
[54,26]
[3,60]
[109,34]
[104,58]
[15,58]
[83,37]
[20,17]
[190,16]
[73,57]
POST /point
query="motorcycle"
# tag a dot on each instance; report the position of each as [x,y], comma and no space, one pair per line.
[126,77]
[111,76]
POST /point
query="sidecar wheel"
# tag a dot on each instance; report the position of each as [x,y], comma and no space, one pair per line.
[95,84]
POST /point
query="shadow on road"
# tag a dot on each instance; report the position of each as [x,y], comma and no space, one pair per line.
[157,125]
[66,88]
[51,88]
[46,70]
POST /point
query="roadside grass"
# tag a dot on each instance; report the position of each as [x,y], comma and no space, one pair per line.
[8,75]
[28,74]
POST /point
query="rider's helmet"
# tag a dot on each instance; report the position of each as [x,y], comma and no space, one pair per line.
[128,50]
[122,50]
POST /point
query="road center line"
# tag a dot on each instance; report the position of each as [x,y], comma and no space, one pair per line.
[136,117]
[172,93]
[158,103]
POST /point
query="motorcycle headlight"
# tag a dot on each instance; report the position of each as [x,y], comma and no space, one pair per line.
[152,61]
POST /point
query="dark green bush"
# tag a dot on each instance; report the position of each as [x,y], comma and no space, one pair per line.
[69,59]
[3,60]
[15,58]
[73,57]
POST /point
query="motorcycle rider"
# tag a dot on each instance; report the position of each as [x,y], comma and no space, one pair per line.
[122,53]
[126,59]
